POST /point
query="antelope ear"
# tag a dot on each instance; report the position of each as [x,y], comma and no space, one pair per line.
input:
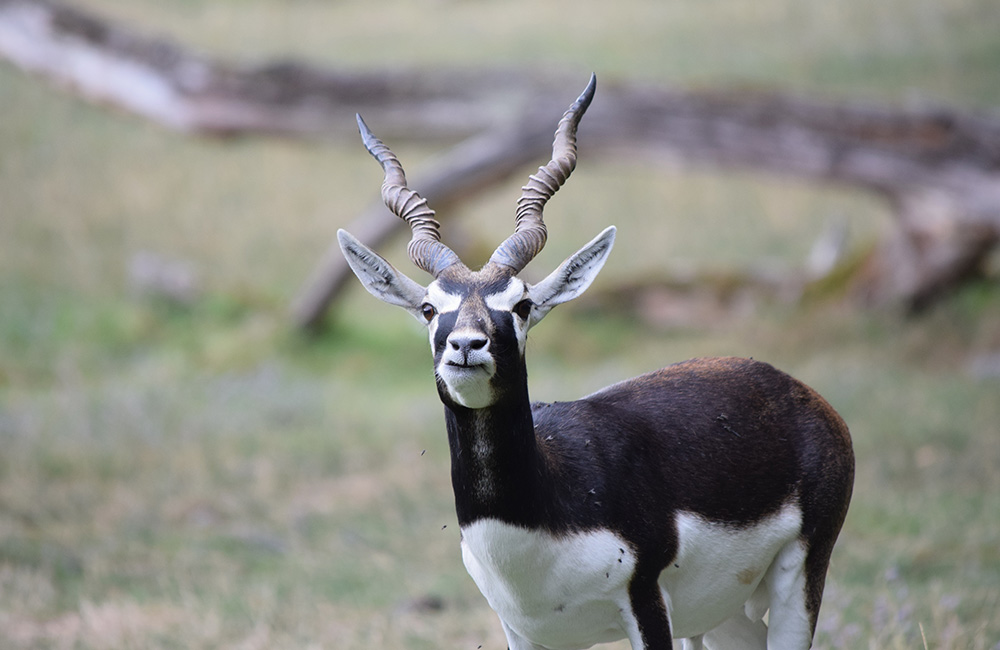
[572,277]
[380,278]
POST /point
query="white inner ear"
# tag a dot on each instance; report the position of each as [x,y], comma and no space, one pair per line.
[573,276]
[379,277]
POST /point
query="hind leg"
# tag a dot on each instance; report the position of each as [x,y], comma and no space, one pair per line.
[790,624]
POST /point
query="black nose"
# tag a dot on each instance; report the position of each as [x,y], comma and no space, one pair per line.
[467,342]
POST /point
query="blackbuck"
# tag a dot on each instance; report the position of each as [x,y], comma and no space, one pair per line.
[685,503]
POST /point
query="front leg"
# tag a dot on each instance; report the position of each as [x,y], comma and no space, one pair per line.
[648,626]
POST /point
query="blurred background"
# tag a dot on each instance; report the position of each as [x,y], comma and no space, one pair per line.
[182,467]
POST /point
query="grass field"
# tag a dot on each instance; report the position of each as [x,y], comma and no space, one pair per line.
[200,476]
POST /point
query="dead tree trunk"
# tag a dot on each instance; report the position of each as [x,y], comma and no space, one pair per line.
[938,168]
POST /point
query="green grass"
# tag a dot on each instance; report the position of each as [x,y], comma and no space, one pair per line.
[202,477]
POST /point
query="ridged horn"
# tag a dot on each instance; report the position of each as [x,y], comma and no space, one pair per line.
[529,228]
[425,248]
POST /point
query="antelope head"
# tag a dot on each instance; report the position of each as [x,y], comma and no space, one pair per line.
[478,320]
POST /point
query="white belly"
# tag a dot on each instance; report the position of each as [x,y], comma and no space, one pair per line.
[570,592]
[718,568]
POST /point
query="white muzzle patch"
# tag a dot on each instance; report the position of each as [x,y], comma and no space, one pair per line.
[466,374]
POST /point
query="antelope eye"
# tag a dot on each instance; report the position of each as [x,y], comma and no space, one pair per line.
[523,309]
[428,311]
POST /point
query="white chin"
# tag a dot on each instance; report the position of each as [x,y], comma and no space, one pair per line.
[469,387]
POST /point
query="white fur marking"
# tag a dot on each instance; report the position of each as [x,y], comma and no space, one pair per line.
[442,300]
[506,299]
[558,592]
[738,633]
[788,622]
[568,592]
[718,567]
[470,387]
[484,484]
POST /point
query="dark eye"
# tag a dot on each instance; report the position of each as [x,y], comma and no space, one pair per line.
[428,311]
[523,309]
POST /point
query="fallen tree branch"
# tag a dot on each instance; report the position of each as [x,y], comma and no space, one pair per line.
[160,80]
[939,168]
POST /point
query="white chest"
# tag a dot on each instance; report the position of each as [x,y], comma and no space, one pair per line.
[561,592]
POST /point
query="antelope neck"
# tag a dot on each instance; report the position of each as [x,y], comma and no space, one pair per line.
[496,469]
